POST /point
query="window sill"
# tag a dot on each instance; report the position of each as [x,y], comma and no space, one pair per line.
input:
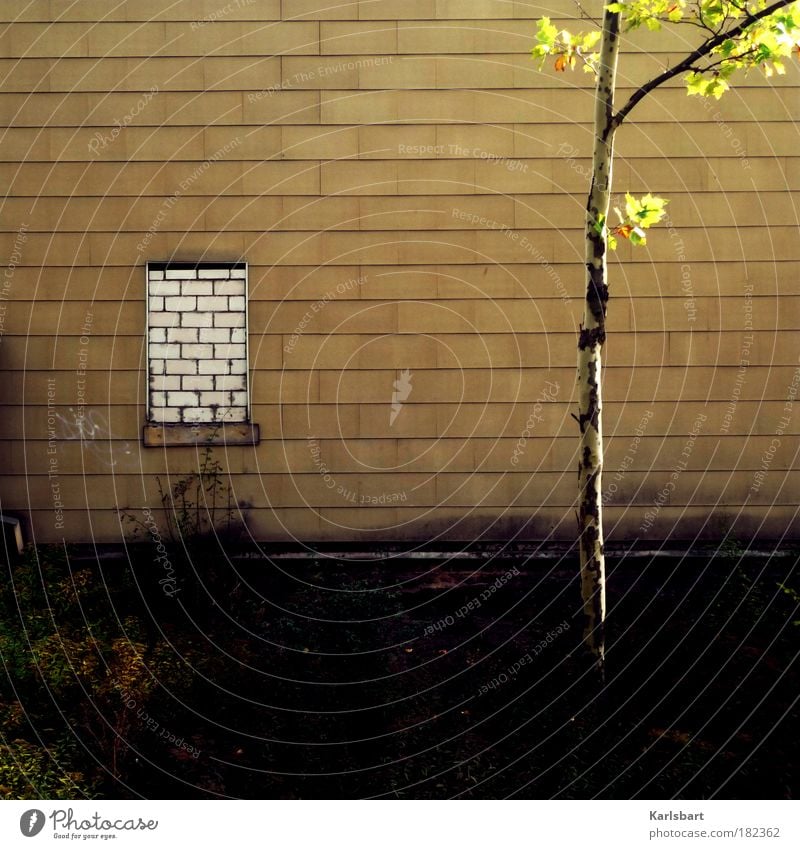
[157,435]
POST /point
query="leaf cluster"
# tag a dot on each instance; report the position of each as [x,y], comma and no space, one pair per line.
[568,48]
[638,216]
[740,38]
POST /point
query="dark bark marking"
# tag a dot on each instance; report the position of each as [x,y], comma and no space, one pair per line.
[589,337]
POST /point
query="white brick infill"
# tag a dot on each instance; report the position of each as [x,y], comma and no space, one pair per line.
[197,343]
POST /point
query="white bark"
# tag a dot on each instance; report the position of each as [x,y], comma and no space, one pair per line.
[590,347]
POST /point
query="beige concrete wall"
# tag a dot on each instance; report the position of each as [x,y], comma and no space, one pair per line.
[401,173]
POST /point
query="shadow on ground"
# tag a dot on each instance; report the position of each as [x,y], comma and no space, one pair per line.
[289,678]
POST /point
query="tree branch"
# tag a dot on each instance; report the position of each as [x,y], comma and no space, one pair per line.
[688,22]
[586,16]
[703,50]
[712,65]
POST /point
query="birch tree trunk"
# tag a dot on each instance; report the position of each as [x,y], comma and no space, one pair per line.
[590,349]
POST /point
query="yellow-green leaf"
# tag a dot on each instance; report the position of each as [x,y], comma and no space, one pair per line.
[590,39]
[547,32]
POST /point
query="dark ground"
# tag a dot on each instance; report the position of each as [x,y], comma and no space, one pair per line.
[319,679]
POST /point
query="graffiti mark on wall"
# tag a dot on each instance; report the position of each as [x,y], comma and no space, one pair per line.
[94,432]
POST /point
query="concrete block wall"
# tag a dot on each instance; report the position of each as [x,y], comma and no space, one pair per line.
[197,343]
[407,189]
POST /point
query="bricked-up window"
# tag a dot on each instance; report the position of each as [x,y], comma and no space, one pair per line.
[196,345]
